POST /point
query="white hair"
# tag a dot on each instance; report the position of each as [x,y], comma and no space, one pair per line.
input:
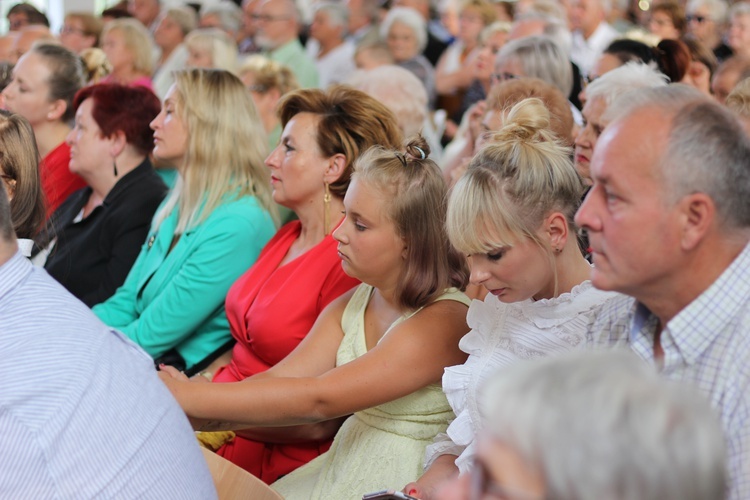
[338,14]
[631,76]
[229,14]
[717,9]
[739,9]
[540,57]
[601,425]
[399,90]
[409,18]
[553,27]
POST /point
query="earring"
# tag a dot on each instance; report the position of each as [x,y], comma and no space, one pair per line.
[326,208]
[114,166]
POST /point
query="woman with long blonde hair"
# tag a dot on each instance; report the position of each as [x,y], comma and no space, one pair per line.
[210,228]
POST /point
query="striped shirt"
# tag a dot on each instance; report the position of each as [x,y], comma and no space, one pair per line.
[82,411]
[707,344]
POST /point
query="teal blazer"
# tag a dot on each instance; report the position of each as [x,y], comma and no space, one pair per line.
[175,299]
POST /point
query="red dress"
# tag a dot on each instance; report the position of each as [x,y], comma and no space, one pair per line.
[270,310]
[58,182]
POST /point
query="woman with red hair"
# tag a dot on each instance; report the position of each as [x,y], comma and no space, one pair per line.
[100,229]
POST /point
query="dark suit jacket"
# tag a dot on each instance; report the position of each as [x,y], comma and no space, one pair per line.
[92,257]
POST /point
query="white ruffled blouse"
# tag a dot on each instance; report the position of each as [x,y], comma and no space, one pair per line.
[500,335]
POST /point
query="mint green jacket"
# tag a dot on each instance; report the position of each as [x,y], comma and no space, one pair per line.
[176,298]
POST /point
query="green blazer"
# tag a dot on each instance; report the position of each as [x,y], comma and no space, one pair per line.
[175,299]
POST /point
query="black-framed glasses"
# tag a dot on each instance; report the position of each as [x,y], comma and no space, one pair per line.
[698,19]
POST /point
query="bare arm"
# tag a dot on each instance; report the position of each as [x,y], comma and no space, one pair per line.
[299,391]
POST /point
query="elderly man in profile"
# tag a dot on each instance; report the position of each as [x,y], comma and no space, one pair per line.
[82,411]
[668,220]
[277,27]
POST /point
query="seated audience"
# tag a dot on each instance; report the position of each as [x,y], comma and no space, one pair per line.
[129,50]
[512,214]
[211,48]
[616,432]
[27,37]
[738,102]
[273,306]
[600,95]
[19,171]
[96,65]
[24,14]
[174,25]
[360,356]
[42,89]
[208,231]
[87,385]
[225,15]
[678,162]
[370,54]
[99,230]
[403,29]
[80,31]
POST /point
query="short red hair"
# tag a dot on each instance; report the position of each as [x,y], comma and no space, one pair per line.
[127,109]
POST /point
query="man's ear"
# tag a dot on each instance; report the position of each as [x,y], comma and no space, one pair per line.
[697,216]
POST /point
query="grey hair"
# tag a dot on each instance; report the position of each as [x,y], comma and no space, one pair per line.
[706,152]
[185,18]
[554,28]
[400,91]
[717,9]
[408,17]
[604,425]
[338,14]
[540,57]
[631,76]
[229,14]
[739,9]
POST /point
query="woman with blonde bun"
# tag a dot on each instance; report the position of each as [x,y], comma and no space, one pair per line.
[512,214]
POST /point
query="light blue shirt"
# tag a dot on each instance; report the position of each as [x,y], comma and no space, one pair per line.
[707,345]
[82,411]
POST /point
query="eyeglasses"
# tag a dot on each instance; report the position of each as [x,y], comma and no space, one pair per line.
[266,18]
[697,19]
[502,77]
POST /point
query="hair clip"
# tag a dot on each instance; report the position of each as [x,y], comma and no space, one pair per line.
[421,151]
[401,157]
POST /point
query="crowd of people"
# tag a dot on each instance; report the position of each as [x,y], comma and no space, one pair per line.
[456,250]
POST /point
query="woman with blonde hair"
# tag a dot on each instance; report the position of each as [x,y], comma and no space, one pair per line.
[211,48]
[19,171]
[512,214]
[128,47]
[268,81]
[207,232]
[376,352]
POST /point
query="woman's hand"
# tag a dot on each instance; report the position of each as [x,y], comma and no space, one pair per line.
[172,372]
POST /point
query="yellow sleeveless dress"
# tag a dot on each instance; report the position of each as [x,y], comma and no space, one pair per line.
[380,447]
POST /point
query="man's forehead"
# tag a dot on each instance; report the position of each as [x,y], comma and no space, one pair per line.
[636,140]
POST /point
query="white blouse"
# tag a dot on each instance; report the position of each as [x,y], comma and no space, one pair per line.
[500,335]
